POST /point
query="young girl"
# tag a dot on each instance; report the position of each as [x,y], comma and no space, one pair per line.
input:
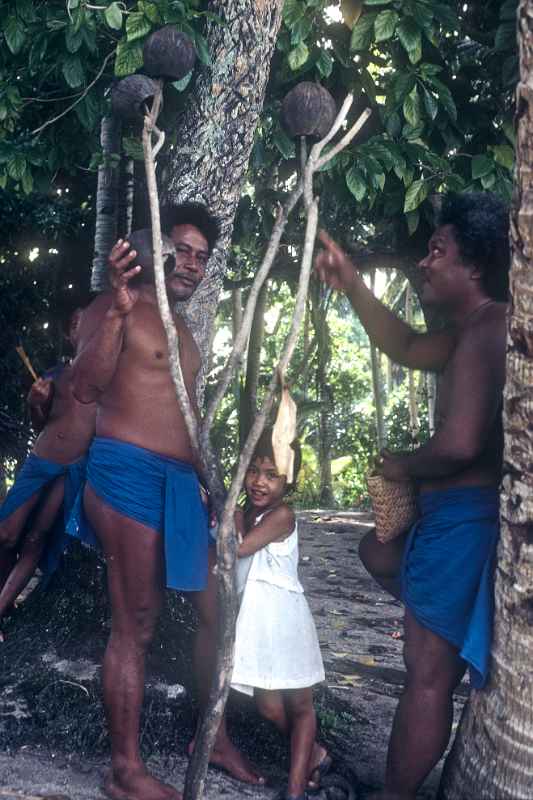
[277,656]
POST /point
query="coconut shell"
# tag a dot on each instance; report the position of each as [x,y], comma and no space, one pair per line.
[168,53]
[129,96]
[141,241]
[308,110]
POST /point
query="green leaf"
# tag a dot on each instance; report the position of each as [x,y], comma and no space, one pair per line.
[151,11]
[133,148]
[505,38]
[362,32]
[430,103]
[446,15]
[411,38]
[356,183]
[137,26]
[377,2]
[428,70]
[481,165]
[14,33]
[183,83]
[73,71]
[113,16]
[415,195]
[88,111]
[3,180]
[412,218]
[393,124]
[324,64]
[411,107]
[73,39]
[504,155]
[301,29]
[402,85]
[202,50]
[292,12]
[385,24]
[351,11]
[284,143]
[298,56]
[129,58]
[445,97]
[27,182]
[488,181]
[16,166]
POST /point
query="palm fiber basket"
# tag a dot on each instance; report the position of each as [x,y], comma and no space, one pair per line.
[394,505]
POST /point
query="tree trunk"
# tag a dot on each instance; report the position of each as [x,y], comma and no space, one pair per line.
[414,419]
[248,398]
[105,234]
[325,396]
[126,197]
[492,757]
[377,386]
[215,134]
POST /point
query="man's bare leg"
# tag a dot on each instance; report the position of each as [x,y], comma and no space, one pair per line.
[225,754]
[32,547]
[383,561]
[135,577]
[423,719]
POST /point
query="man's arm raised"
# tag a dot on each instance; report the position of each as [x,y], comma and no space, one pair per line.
[428,351]
[102,328]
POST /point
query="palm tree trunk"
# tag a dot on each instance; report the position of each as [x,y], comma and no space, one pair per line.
[492,754]
[106,230]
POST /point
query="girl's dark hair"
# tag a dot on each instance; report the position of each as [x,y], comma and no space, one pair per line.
[264,449]
[481,226]
[192,214]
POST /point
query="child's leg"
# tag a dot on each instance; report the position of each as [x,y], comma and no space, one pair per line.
[271,706]
[302,722]
[33,546]
[11,527]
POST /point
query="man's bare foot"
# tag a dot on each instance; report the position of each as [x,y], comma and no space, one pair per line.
[137,784]
[319,765]
[227,757]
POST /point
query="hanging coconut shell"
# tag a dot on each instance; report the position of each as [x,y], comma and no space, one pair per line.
[130,95]
[308,110]
[168,53]
[141,241]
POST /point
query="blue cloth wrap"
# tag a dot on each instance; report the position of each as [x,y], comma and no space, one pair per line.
[448,569]
[34,476]
[159,492]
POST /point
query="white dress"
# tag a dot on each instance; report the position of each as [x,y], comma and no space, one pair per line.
[276,646]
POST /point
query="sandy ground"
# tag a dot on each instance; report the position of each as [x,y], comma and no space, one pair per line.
[359,629]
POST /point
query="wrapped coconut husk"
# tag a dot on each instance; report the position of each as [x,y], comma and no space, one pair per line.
[141,241]
[168,53]
[308,110]
[394,505]
[130,95]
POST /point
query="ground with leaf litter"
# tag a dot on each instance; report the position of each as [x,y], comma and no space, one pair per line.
[53,739]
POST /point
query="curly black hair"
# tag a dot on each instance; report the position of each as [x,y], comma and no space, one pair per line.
[191,214]
[481,226]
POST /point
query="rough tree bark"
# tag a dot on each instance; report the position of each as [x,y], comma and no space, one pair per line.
[215,135]
[248,398]
[492,754]
[105,234]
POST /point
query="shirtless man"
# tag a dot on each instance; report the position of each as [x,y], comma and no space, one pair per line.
[50,477]
[445,580]
[142,496]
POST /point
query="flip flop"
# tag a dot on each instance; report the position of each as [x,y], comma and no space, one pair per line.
[323,767]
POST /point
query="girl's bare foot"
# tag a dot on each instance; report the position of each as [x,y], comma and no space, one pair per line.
[320,764]
[137,784]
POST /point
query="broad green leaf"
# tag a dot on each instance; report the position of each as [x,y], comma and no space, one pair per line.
[412,218]
[298,56]
[3,180]
[445,97]
[430,103]
[411,38]
[16,166]
[129,58]
[423,13]
[151,11]
[356,183]
[482,165]
[14,33]
[301,29]
[27,182]
[415,195]
[113,16]
[384,153]
[362,32]
[427,70]
[368,85]
[385,24]
[137,26]
[504,155]
[411,107]
[446,15]
[73,39]
[393,124]
[324,64]
[133,148]
[285,145]
[488,181]
[183,83]
[293,10]
[73,71]
[351,11]
[26,10]
[402,85]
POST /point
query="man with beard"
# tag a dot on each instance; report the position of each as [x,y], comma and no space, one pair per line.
[143,495]
[442,569]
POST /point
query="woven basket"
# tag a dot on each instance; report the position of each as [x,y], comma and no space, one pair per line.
[394,504]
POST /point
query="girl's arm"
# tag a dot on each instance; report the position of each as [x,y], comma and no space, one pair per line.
[276,525]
